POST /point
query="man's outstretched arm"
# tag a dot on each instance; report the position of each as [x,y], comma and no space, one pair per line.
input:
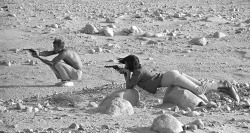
[49,63]
[46,53]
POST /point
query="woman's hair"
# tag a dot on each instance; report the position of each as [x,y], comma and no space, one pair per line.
[59,42]
[132,62]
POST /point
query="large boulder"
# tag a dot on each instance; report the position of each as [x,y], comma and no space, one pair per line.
[116,107]
[89,29]
[166,123]
[182,97]
[131,95]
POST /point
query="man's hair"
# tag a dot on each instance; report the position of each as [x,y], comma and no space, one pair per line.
[133,62]
[59,42]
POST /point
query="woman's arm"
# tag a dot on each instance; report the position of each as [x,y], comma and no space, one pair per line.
[127,77]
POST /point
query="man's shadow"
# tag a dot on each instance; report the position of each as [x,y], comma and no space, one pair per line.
[34,86]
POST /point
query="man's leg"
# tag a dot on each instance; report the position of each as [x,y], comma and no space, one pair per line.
[56,73]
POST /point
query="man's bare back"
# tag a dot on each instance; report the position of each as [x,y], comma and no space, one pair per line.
[72,58]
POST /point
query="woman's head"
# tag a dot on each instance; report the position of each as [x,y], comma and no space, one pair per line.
[132,62]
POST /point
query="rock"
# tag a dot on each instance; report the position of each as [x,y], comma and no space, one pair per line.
[116,107]
[166,123]
[29,109]
[211,104]
[20,106]
[152,42]
[74,126]
[202,41]
[247,21]
[131,95]
[148,34]
[193,127]
[215,19]
[135,30]
[54,26]
[110,20]
[160,18]
[68,18]
[219,35]
[92,104]
[98,50]
[193,113]
[2,108]
[89,29]
[181,97]
[12,15]
[108,32]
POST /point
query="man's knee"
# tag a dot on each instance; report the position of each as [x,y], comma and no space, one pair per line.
[57,65]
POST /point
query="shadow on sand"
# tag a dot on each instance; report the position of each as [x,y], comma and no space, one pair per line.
[18,86]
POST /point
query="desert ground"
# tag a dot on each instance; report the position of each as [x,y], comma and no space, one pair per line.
[161,36]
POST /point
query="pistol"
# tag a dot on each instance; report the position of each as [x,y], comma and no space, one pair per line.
[116,67]
[30,50]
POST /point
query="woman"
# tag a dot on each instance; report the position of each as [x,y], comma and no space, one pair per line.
[135,74]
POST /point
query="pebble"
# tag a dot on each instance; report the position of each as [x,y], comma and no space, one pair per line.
[74,126]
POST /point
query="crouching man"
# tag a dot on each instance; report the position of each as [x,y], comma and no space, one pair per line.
[67,65]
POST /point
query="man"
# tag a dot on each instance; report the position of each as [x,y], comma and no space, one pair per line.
[66,65]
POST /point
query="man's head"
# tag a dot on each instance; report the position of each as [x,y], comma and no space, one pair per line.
[58,45]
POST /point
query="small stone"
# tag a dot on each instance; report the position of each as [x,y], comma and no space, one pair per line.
[92,104]
[20,106]
[98,50]
[12,15]
[35,110]
[166,123]
[219,35]
[110,20]
[105,127]
[54,26]
[199,123]
[202,41]
[175,109]
[108,32]
[68,18]
[152,42]
[193,113]
[193,127]
[212,104]
[74,126]
[29,109]
[160,18]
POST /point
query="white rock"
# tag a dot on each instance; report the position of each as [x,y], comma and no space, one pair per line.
[202,41]
[166,123]
[131,95]
[135,30]
[117,107]
[219,35]
[181,97]
[92,104]
[109,32]
[98,50]
[54,26]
